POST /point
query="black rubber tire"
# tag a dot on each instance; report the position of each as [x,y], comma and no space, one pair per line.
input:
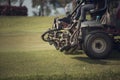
[97,45]
[85,39]
[84,43]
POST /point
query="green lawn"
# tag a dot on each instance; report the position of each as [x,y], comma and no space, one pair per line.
[24,56]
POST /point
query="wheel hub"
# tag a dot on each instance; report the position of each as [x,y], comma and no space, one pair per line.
[99,45]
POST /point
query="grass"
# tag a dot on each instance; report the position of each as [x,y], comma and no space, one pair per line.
[24,56]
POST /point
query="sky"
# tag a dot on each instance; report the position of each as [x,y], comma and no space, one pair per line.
[28,4]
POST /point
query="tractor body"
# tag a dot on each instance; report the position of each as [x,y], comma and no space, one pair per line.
[97,37]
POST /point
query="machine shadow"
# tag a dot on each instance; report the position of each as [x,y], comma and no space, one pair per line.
[114,56]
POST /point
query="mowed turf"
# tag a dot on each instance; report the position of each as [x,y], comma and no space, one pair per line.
[24,56]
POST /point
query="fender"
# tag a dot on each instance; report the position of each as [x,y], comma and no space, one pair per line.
[91,24]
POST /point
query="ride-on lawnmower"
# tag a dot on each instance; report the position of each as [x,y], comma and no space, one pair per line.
[96,37]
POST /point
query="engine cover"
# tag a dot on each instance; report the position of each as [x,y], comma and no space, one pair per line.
[91,24]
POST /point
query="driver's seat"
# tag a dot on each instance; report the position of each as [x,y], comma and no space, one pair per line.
[100,11]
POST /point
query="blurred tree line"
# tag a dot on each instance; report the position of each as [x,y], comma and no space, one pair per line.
[12,1]
[43,3]
[62,2]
